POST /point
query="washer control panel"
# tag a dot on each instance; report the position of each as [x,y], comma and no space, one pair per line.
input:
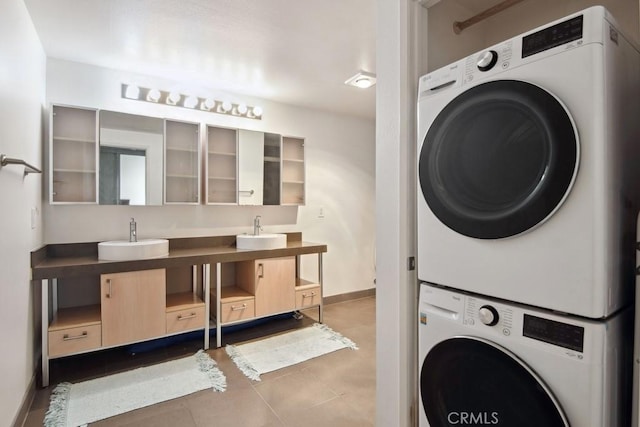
[493,315]
[488,315]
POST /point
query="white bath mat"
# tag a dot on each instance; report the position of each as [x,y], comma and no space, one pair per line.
[280,351]
[77,404]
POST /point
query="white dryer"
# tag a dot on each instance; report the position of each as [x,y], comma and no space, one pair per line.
[528,159]
[487,362]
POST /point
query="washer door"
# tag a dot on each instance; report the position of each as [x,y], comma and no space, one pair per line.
[499,159]
[471,381]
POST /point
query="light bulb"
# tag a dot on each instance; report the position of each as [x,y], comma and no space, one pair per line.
[257,111]
[209,103]
[132,92]
[173,98]
[226,106]
[242,109]
[153,95]
[191,102]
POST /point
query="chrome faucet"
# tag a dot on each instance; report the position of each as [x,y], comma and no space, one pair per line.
[133,232]
[256,226]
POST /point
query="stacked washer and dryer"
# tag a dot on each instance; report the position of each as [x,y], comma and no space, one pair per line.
[527,204]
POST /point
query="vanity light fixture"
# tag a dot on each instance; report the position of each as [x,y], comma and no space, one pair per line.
[153,95]
[362,80]
[191,102]
[208,104]
[257,111]
[226,106]
[178,99]
[173,98]
[132,92]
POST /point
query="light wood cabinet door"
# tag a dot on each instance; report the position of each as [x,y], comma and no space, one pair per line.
[272,281]
[133,306]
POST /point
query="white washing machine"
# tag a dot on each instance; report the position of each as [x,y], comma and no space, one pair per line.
[528,168]
[488,362]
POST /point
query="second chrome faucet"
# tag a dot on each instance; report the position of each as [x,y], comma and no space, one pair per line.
[133,231]
[256,225]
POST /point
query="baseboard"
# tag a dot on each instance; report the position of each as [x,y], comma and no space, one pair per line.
[334,299]
[30,394]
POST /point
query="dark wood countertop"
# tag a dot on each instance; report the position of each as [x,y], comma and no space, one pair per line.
[81,259]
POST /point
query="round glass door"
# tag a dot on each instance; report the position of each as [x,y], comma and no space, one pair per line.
[470,381]
[498,160]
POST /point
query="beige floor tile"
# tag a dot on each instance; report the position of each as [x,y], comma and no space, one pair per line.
[343,372]
[334,413]
[167,416]
[298,390]
[241,407]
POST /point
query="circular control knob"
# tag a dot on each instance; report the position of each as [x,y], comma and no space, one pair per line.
[487,60]
[488,315]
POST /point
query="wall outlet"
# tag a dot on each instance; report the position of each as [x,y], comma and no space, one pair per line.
[321,212]
[34,218]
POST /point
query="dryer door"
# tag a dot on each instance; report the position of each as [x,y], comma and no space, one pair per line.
[468,380]
[499,159]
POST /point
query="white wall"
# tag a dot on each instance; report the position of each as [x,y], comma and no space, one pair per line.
[340,160]
[445,47]
[22,77]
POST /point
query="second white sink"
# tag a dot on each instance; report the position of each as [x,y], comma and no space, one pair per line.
[261,241]
[123,250]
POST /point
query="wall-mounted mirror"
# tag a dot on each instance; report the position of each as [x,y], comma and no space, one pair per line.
[250,167]
[131,159]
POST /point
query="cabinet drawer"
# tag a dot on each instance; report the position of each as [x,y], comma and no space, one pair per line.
[237,310]
[185,320]
[74,340]
[308,297]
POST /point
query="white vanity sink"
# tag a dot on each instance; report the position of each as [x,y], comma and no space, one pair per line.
[261,241]
[123,250]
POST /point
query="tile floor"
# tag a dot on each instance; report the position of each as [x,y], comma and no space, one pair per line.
[334,390]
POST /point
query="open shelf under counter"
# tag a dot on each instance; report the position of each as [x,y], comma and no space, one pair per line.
[72,317]
[183,301]
[302,284]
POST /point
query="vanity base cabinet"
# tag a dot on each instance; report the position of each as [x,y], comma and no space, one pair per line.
[133,306]
[271,281]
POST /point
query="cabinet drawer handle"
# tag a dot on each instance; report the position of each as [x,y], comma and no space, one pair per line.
[66,337]
[110,293]
[311,295]
[191,316]
[260,271]
[238,307]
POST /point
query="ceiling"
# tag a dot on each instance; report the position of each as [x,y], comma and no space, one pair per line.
[295,52]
